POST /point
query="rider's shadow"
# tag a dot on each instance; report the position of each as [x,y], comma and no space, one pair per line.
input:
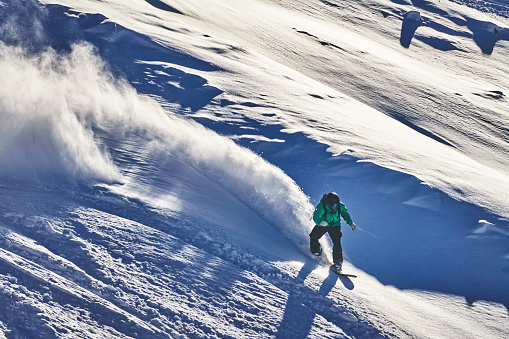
[302,307]
[329,283]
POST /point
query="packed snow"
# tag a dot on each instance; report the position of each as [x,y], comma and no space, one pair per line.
[160,161]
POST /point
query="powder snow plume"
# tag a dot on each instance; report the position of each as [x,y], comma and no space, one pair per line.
[52,129]
[46,129]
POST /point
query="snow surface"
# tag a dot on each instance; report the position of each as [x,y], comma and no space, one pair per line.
[160,161]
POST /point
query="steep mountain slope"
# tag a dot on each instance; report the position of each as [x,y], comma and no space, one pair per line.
[159,163]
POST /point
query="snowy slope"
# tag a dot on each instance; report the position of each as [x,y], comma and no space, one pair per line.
[160,161]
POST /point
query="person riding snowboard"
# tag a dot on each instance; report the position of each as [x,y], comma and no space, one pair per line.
[327,217]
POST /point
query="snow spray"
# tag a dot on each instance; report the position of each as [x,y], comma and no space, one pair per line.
[55,108]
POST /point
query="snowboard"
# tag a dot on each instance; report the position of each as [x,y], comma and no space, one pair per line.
[324,262]
[343,274]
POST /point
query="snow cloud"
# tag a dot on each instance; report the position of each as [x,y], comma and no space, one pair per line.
[47,107]
[57,110]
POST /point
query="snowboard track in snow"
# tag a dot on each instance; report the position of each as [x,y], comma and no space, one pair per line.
[82,265]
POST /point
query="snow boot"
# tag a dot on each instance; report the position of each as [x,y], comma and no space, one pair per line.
[320,257]
[319,253]
[336,267]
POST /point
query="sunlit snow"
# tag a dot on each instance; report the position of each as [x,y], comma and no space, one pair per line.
[160,161]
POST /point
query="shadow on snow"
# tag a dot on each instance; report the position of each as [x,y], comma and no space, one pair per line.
[409,235]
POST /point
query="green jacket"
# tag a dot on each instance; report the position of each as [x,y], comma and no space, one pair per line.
[332,217]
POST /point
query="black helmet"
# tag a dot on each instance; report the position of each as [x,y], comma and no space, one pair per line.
[332,199]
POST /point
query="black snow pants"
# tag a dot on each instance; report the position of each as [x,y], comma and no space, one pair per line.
[335,235]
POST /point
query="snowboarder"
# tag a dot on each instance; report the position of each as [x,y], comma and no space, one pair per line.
[327,217]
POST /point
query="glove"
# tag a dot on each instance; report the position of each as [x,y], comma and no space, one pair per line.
[353,226]
[323,223]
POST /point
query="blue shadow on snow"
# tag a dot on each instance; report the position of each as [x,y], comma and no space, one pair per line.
[409,235]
